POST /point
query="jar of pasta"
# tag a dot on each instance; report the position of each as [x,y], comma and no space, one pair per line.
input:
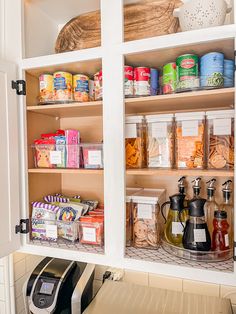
[147,223]
[135,142]
[220,139]
[129,225]
[190,140]
[160,141]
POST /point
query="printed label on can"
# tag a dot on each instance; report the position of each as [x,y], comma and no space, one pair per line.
[62,86]
[187,72]
[46,87]
[129,80]
[98,85]
[212,70]
[81,87]
[169,78]
[142,81]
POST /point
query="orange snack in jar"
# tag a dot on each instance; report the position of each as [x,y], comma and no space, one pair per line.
[190,128]
[62,85]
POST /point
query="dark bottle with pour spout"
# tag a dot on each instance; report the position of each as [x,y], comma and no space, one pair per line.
[196,234]
[176,219]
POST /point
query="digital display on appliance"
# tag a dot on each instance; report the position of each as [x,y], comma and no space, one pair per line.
[47,288]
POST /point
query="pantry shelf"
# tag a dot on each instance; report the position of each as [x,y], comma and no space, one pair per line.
[180,172]
[66,171]
[86,109]
[195,100]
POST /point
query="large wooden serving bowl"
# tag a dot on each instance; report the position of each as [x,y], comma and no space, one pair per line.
[141,20]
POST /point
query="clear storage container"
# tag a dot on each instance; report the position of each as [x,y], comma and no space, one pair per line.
[220,139]
[160,141]
[190,129]
[92,156]
[135,142]
[129,231]
[91,230]
[147,223]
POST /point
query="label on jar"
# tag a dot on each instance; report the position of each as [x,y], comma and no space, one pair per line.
[226,240]
[89,234]
[190,128]
[222,127]
[55,157]
[51,231]
[145,211]
[159,130]
[177,227]
[199,235]
[130,130]
[94,157]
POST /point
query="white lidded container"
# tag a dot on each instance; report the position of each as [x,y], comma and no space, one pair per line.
[160,141]
[135,142]
[128,214]
[147,224]
[190,141]
[220,139]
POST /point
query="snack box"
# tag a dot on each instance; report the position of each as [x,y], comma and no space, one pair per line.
[92,156]
[91,230]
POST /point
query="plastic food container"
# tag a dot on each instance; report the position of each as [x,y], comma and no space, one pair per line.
[56,156]
[135,142]
[91,230]
[190,144]
[147,223]
[220,139]
[160,141]
[129,224]
[92,156]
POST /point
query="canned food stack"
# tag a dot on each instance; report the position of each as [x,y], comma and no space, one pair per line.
[191,140]
[63,86]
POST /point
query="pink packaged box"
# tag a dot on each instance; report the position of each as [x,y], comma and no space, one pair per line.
[73,149]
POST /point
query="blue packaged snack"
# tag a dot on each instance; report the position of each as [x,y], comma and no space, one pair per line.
[229,73]
[154,82]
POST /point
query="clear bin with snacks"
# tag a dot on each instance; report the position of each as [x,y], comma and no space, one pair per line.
[160,141]
[135,142]
[220,139]
[190,145]
[91,230]
[128,214]
[92,156]
[147,222]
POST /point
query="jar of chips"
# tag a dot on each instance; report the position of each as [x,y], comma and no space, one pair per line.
[135,142]
[220,139]
[190,129]
[160,141]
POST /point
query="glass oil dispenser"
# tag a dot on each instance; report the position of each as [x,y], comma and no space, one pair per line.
[210,206]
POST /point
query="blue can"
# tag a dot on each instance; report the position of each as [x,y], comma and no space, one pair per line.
[229,73]
[212,70]
[154,82]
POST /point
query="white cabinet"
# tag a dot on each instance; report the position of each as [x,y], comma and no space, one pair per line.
[105,120]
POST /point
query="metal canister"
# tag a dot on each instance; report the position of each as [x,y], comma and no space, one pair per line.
[187,72]
[229,69]
[62,85]
[45,87]
[91,90]
[154,82]
[98,85]
[129,81]
[169,78]
[212,70]
[142,81]
[81,87]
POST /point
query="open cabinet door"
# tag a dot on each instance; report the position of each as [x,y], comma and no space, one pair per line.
[9,161]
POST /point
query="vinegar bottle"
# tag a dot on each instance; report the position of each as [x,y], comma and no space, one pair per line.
[220,236]
[210,206]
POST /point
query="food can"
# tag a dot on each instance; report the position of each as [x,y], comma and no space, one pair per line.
[212,70]
[98,85]
[169,78]
[81,87]
[154,82]
[62,85]
[91,90]
[229,69]
[129,81]
[45,87]
[142,81]
[187,72]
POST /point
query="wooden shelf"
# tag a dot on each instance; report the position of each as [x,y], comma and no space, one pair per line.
[196,100]
[180,172]
[66,171]
[78,109]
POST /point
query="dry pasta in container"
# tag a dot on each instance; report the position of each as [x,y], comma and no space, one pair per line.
[135,142]
[220,139]
[190,128]
[160,141]
[147,223]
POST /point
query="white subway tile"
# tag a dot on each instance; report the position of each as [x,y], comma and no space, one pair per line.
[32,261]
[139,278]
[19,284]
[99,271]
[18,256]
[164,282]
[19,269]
[228,292]
[202,288]
[20,304]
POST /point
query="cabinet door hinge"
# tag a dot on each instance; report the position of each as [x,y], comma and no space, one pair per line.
[23,227]
[19,86]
